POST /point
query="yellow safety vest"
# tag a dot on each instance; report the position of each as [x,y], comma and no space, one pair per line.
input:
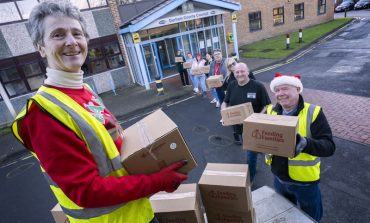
[304,167]
[103,149]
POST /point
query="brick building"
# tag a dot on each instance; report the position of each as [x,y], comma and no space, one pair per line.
[162,27]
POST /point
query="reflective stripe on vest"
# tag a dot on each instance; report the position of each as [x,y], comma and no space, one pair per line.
[304,167]
[105,165]
[104,152]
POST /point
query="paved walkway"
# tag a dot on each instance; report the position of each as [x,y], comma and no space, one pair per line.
[348,116]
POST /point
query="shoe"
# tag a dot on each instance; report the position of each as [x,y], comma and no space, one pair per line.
[217,104]
[204,95]
[213,101]
[196,90]
[238,139]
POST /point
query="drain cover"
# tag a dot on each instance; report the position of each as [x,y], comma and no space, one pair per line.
[220,140]
[200,129]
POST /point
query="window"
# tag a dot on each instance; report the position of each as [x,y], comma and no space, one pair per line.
[9,12]
[321,9]
[104,54]
[255,22]
[25,7]
[22,74]
[17,10]
[299,11]
[278,16]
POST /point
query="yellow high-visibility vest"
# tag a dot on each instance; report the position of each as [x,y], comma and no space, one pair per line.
[304,167]
[103,149]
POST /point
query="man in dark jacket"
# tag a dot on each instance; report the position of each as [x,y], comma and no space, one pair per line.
[297,178]
[183,72]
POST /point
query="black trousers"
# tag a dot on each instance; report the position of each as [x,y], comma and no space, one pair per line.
[220,94]
[184,77]
[154,220]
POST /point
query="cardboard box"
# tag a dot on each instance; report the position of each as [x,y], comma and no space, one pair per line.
[205,69]
[153,143]
[179,59]
[214,81]
[226,187]
[58,215]
[196,71]
[272,207]
[183,205]
[187,65]
[270,134]
[226,216]
[236,114]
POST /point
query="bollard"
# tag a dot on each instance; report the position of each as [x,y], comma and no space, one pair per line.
[300,35]
[345,13]
[287,41]
[159,85]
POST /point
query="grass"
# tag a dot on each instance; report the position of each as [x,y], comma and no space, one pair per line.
[275,48]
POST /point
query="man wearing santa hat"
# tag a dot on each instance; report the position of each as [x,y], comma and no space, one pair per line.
[297,178]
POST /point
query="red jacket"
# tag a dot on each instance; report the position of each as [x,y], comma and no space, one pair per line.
[68,162]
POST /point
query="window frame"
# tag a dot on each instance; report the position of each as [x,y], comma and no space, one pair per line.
[100,43]
[321,3]
[18,63]
[282,14]
[301,9]
[23,19]
[259,19]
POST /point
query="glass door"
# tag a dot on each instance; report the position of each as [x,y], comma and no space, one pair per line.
[202,43]
[150,61]
[163,54]
[209,41]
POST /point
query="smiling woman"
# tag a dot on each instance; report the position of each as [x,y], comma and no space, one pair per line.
[74,136]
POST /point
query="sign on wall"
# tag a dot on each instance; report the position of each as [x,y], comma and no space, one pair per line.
[136,37]
[185,17]
[233,18]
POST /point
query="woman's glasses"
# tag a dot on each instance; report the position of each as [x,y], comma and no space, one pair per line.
[232,64]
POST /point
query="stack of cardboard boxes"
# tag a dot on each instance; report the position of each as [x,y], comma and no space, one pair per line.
[224,189]
[226,193]
[184,205]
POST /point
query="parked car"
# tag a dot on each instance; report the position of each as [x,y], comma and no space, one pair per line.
[362,4]
[346,5]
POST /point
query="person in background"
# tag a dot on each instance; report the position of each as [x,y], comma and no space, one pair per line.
[297,178]
[230,76]
[241,91]
[76,139]
[183,72]
[190,59]
[209,60]
[218,67]
[200,79]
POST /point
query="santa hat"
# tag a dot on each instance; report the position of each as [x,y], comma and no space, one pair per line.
[281,79]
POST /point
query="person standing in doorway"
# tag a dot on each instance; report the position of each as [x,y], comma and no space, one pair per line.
[180,68]
[241,91]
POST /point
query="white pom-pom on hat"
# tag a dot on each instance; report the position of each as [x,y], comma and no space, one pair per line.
[281,79]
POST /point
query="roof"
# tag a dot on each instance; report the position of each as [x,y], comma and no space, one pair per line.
[162,7]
